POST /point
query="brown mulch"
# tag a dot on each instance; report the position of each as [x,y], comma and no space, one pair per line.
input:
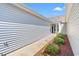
[65,50]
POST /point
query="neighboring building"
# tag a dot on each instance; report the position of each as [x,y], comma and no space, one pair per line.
[20,26]
[56,19]
[57,23]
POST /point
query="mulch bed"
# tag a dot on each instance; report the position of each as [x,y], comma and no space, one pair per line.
[65,50]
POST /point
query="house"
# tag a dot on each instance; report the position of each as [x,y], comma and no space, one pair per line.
[25,32]
[72,26]
[20,26]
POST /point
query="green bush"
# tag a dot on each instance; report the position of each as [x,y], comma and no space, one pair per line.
[60,35]
[59,40]
[52,49]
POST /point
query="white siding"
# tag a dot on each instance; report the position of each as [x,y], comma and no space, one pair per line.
[10,13]
[19,28]
[73,29]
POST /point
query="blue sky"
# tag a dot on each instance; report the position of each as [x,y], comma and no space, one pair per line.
[47,9]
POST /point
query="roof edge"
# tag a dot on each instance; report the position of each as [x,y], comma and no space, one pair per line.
[20,6]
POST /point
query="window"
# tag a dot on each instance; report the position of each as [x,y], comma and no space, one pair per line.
[55,28]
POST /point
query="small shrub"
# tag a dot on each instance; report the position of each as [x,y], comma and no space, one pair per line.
[60,35]
[58,40]
[52,49]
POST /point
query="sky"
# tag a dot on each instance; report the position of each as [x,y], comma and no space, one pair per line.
[47,9]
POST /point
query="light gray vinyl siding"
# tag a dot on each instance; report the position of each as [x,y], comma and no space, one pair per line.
[10,13]
[73,28]
[18,35]
[19,28]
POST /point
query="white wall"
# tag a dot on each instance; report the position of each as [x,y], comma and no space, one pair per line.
[10,13]
[73,29]
[61,28]
[19,28]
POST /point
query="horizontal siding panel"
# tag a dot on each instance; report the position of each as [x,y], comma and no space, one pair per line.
[73,28]
[16,35]
[10,13]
